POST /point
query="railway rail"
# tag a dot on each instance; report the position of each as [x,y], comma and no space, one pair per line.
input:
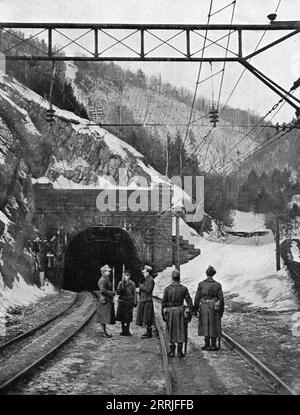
[273,381]
[27,351]
[168,381]
[33,330]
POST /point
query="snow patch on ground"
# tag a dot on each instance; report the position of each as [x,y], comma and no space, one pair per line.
[247,221]
[295,252]
[21,294]
[248,272]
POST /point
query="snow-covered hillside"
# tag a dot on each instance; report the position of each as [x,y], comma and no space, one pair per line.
[150,107]
[248,272]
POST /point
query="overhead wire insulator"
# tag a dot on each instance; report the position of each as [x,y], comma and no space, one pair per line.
[50,115]
[50,112]
[214,116]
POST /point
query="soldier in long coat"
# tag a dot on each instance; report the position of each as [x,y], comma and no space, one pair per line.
[105,310]
[145,310]
[127,300]
[209,302]
[173,313]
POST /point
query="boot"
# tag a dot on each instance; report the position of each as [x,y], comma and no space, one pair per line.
[148,333]
[123,332]
[206,344]
[171,353]
[213,347]
[127,332]
[103,332]
[179,349]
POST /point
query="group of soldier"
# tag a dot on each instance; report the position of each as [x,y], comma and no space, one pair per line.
[177,307]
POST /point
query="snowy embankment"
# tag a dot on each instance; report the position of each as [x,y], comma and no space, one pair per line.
[20,293]
[248,221]
[245,272]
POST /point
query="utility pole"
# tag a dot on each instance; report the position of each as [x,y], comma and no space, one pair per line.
[177,260]
[277,237]
[167,154]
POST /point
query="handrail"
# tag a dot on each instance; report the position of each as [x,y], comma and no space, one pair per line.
[161,234]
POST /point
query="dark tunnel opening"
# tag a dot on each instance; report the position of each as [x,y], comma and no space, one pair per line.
[94,247]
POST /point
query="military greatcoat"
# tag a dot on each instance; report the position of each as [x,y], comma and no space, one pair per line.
[105,310]
[209,293]
[173,311]
[145,310]
[127,300]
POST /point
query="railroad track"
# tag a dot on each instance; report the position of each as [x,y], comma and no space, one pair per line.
[23,353]
[30,332]
[274,381]
[168,381]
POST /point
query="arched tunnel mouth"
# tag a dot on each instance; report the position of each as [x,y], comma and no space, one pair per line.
[94,247]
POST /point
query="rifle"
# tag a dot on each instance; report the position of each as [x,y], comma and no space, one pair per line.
[185,319]
[186,334]
[113,282]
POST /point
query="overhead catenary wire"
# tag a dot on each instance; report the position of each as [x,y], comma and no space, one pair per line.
[206,154]
[246,155]
[260,147]
[265,126]
[223,8]
[237,163]
[198,146]
[197,83]
[212,84]
[275,106]
[244,70]
[226,53]
[222,80]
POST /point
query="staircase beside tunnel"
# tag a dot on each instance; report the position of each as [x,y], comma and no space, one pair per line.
[187,251]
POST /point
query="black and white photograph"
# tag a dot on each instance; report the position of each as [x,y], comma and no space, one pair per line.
[150,200]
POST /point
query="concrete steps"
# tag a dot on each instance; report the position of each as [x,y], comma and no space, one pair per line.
[187,251]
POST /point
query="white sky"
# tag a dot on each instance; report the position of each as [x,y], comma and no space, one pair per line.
[282,62]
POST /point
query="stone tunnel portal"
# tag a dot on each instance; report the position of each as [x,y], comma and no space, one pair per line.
[94,247]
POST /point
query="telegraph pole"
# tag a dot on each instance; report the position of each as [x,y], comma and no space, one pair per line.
[177,260]
[277,237]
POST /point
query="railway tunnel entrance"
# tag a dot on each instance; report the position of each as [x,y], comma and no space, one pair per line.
[94,247]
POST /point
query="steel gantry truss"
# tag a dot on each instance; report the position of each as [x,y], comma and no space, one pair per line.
[141,47]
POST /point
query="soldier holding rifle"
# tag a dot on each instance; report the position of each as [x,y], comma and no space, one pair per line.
[127,300]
